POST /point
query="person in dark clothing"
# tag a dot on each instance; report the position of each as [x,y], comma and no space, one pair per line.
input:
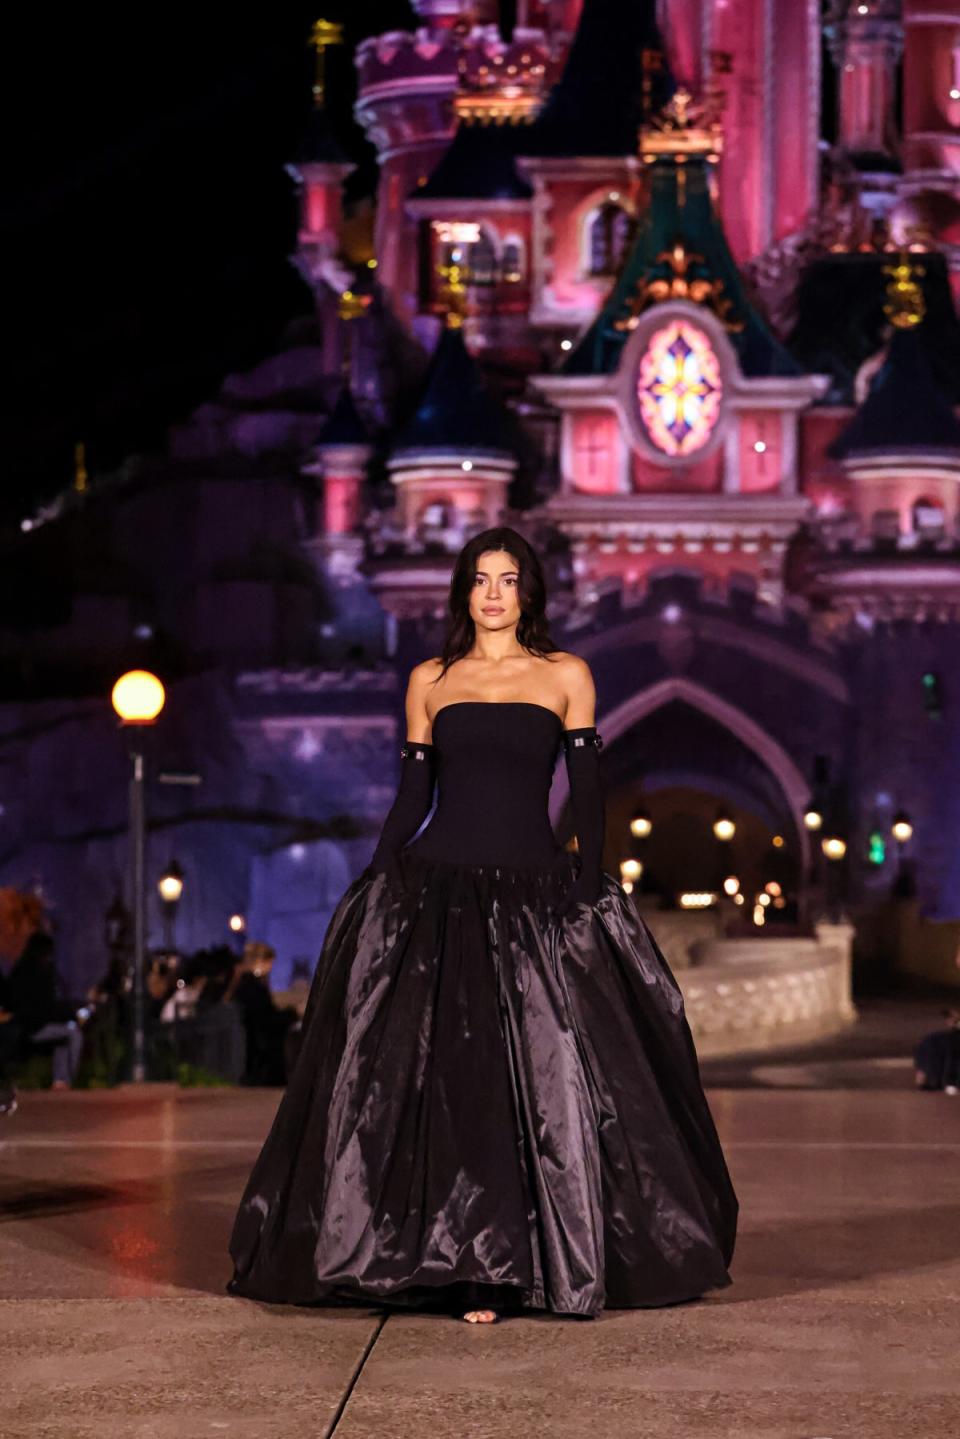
[9,1042]
[42,1011]
[265,1024]
[937,1057]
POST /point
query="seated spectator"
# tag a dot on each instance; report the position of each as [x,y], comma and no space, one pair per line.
[43,1014]
[937,1057]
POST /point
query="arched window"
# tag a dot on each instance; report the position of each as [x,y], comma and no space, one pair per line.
[511,260]
[482,261]
[608,231]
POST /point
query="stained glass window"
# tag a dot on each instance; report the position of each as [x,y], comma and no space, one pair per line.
[679,387]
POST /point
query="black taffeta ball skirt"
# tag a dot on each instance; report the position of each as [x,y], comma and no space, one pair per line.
[491,1106]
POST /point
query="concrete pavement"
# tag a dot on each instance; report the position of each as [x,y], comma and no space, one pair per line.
[843,1319]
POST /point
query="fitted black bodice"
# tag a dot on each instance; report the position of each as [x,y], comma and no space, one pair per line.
[495,764]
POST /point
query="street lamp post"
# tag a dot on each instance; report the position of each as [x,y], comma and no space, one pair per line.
[138,697]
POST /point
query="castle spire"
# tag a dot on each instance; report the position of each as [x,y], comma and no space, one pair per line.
[323,34]
[680,250]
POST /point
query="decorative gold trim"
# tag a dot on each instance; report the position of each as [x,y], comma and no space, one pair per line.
[905,305]
[683,129]
[454,294]
[680,286]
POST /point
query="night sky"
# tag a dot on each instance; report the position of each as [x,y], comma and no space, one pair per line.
[147,217]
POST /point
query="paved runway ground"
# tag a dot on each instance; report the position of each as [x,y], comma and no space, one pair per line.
[843,1320]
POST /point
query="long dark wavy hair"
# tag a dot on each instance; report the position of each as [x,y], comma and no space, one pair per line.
[532,629]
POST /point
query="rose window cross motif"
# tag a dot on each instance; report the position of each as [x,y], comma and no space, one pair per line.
[679,388]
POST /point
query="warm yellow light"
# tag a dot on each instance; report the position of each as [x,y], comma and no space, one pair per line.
[772,887]
[630,869]
[763,899]
[901,829]
[759,916]
[237,923]
[641,825]
[724,827]
[777,841]
[739,899]
[628,886]
[813,819]
[170,884]
[833,847]
[138,697]
[697,899]
[457,232]
[731,884]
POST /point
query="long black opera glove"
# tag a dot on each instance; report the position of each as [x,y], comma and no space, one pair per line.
[583,748]
[409,809]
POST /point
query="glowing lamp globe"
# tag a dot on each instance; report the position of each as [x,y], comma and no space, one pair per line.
[641,825]
[237,923]
[138,697]
[170,883]
[813,819]
[631,869]
[724,827]
[833,847]
[901,829]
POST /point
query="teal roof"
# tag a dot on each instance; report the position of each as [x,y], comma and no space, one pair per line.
[686,215]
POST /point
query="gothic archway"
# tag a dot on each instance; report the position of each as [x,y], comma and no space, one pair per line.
[791,785]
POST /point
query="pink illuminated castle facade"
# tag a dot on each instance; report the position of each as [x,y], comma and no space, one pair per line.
[670,287]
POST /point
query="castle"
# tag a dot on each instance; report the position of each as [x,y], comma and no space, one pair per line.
[622,293]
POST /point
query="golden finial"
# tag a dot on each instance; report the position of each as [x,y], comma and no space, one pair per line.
[323,34]
[684,128]
[905,305]
[80,477]
[454,293]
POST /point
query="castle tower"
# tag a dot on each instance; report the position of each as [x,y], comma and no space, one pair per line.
[451,466]
[901,453]
[320,167]
[474,210]
[679,409]
[406,84]
[931,116]
[765,54]
[452,463]
[866,43]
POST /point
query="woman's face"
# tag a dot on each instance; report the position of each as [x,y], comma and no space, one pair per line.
[495,593]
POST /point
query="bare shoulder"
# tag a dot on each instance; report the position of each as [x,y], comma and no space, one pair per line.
[418,690]
[423,674]
[579,690]
[574,672]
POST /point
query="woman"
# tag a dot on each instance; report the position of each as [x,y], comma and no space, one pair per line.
[497,1105]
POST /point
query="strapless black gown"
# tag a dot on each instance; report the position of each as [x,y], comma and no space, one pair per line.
[491,1106]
